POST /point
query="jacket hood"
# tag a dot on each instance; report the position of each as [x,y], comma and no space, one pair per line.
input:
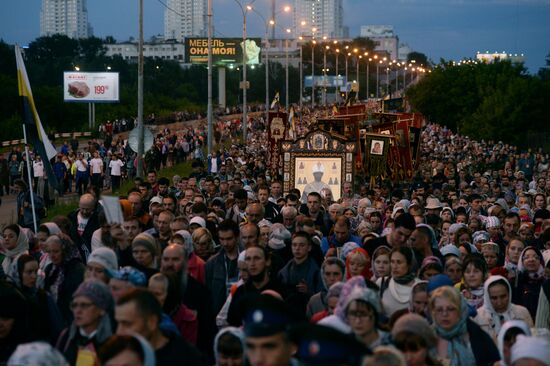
[505,328]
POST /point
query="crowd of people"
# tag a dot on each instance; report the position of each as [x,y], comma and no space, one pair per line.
[221,267]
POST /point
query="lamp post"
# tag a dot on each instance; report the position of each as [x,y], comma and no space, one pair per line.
[301,73]
[313,73]
[355,50]
[368,74]
[388,80]
[244,10]
[286,69]
[325,74]
[268,23]
[337,53]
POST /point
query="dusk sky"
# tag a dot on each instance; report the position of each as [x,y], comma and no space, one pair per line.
[450,29]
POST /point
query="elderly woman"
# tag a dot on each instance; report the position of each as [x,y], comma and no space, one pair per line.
[64,273]
[92,305]
[460,341]
[490,252]
[203,243]
[498,308]
[395,292]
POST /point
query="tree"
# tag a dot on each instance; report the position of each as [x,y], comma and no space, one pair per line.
[418,57]
[496,101]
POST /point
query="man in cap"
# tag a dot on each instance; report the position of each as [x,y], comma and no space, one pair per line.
[323,346]
[265,326]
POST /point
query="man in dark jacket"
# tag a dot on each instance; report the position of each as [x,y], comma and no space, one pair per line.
[221,270]
[84,222]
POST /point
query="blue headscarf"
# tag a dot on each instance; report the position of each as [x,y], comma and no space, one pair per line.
[459,350]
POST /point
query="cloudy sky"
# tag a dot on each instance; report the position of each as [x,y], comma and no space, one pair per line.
[450,29]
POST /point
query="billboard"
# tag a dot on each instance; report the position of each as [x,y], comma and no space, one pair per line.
[90,87]
[225,51]
[329,81]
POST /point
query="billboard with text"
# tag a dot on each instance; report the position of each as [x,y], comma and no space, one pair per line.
[90,87]
[225,51]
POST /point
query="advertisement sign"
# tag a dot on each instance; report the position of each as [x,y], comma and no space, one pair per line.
[89,87]
[225,51]
[329,81]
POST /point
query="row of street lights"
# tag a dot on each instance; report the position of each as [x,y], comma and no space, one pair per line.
[347,50]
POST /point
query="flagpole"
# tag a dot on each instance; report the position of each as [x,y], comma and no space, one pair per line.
[30,179]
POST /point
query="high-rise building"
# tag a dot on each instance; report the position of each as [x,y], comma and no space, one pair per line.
[68,17]
[384,38]
[325,16]
[185,18]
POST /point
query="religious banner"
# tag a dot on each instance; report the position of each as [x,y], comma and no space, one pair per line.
[405,167]
[276,133]
[318,161]
[353,109]
[414,140]
[377,151]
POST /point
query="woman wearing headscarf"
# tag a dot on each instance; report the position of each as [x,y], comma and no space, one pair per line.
[395,291]
[16,244]
[507,337]
[44,315]
[64,274]
[418,303]
[461,342]
[44,232]
[229,347]
[36,353]
[362,314]
[145,251]
[413,336]
[498,308]
[92,305]
[530,278]
[195,264]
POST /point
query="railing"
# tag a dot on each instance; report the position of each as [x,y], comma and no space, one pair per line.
[57,135]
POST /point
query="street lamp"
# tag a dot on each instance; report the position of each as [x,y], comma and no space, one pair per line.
[337,76]
[267,23]
[313,42]
[286,69]
[388,80]
[244,10]
[355,50]
[368,61]
[325,49]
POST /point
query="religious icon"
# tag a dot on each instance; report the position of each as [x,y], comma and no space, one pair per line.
[377,147]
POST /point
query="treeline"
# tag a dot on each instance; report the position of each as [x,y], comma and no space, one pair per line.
[496,101]
[167,86]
